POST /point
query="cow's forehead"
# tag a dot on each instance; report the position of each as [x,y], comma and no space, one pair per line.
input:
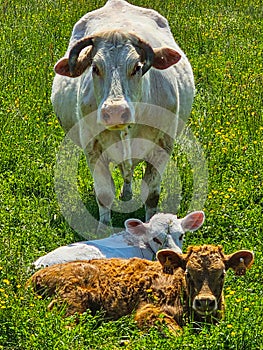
[205,258]
[120,55]
[113,40]
[166,222]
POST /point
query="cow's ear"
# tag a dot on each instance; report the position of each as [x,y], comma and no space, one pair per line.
[62,67]
[239,261]
[164,57]
[193,221]
[135,226]
[84,61]
[170,260]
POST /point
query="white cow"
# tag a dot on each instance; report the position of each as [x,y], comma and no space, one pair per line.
[140,240]
[121,90]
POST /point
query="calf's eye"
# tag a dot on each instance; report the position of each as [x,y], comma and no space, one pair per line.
[187,274]
[156,240]
[222,276]
[181,237]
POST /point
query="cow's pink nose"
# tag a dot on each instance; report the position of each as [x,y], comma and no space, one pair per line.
[116,114]
[205,304]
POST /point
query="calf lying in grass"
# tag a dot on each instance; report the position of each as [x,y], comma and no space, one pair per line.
[139,239]
[164,290]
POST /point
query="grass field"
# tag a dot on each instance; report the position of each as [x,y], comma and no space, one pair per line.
[224,42]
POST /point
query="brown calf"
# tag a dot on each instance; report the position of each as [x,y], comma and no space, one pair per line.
[189,283]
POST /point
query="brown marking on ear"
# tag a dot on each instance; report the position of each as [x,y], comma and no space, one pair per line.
[83,62]
[165,57]
[62,67]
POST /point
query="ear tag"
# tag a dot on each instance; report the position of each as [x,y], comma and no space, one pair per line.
[168,267]
[241,268]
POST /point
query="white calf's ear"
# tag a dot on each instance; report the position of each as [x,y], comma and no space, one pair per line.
[135,226]
[193,221]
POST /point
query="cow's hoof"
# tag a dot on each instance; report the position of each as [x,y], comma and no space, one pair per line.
[125,197]
[126,192]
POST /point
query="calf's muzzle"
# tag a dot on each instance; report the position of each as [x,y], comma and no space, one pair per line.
[205,304]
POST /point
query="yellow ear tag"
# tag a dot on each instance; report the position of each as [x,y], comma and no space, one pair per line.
[241,268]
[168,266]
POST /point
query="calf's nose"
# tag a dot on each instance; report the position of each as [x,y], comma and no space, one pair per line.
[205,304]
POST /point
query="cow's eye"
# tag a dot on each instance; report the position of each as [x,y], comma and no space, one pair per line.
[95,69]
[156,240]
[222,276]
[187,274]
[136,69]
[181,237]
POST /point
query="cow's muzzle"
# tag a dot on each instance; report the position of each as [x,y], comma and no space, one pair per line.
[205,304]
[116,115]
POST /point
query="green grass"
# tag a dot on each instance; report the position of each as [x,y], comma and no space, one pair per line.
[224,42]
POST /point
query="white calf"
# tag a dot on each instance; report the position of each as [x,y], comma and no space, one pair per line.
[139,239]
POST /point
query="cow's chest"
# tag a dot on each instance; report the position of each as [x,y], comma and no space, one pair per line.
[130,146]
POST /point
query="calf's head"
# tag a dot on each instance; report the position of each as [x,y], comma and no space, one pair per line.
[205,268]
[164,230]
[118,61]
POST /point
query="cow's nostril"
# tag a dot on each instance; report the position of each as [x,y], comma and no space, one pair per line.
[198,304]
[106,117]
[211,304]
[205,305]
[125,117]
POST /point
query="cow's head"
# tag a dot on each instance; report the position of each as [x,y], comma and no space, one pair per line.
[118,61]
[165,230]
[205,268]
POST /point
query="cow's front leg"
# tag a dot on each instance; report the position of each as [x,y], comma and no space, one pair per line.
[151,315]
[152,182]
[104,188]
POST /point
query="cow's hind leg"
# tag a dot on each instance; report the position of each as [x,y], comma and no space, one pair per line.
[127,172]
[126,192]
[152,184]
[105,191]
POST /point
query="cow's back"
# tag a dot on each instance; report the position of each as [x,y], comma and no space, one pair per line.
[117,286]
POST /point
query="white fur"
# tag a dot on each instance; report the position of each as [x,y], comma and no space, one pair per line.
[167,228]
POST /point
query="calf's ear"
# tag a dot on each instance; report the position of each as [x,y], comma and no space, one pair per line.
[193,221]
[135,226]
[239,261]
[164,57]
[170,260]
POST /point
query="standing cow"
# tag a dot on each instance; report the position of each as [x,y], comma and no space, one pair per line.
[121,90]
